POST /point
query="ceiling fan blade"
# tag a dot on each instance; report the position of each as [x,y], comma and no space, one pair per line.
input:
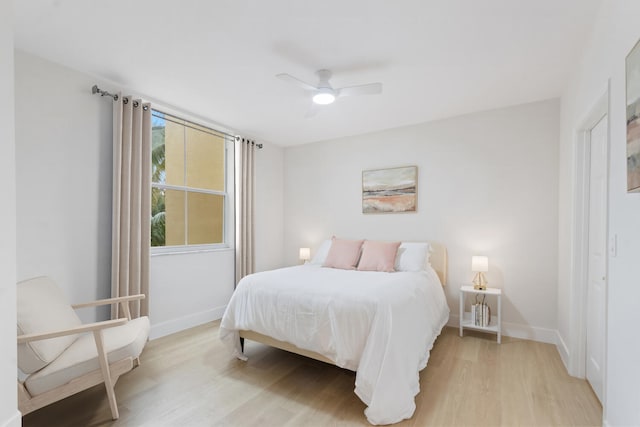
[290,79]
[368,89]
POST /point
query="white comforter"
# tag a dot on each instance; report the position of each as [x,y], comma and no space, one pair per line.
[381,325]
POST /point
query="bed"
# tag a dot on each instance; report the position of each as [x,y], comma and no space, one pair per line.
[380,325]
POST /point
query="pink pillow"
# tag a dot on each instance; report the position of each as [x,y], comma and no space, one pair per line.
[378,256]
[343,254]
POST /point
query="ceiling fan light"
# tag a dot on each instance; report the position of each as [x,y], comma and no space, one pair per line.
[324,97]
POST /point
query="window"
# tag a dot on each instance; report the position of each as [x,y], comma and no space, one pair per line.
[188,183]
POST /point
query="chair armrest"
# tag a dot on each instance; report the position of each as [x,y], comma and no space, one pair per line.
[109,301]
[89,327]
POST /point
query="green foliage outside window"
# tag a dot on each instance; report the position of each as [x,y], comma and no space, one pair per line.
[158,225]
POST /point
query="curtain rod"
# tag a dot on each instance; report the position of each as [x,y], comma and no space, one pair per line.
[96,90]
[238,138]
[172,118]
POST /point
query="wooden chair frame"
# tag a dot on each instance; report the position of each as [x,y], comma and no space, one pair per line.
[107,374]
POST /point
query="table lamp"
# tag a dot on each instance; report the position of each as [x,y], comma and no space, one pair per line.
[305,254]
[479,265]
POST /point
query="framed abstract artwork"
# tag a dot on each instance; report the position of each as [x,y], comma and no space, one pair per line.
[390,190]
[633,119]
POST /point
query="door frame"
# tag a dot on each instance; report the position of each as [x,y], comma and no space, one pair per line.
[580,241]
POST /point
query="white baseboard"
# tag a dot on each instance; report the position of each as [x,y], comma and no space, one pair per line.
[517,330]
[180,324]
[563,350]
[533,333]
[14,421]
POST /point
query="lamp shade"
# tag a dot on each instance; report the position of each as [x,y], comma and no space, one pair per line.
[479,263]
[305,254]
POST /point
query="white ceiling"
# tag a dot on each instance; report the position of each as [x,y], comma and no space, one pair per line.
[218,59]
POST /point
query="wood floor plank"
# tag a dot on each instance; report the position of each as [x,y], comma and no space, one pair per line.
[189,379]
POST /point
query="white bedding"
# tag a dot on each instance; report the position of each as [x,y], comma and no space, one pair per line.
[381,325]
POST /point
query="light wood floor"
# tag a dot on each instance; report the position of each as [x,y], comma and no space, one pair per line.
[188,379]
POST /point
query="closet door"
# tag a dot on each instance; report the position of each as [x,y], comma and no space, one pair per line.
[597,279]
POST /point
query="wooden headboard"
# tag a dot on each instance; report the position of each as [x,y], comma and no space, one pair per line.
[438,260]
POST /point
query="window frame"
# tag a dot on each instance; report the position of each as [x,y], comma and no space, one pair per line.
[228,227]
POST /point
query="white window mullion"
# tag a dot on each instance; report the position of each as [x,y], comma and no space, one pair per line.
[184,181]
[194,190]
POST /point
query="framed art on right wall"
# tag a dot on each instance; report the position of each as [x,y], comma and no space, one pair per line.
[633,119]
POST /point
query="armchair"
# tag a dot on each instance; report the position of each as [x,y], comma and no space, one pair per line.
[62,356]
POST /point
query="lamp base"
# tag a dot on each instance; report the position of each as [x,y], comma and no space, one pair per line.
[479,282]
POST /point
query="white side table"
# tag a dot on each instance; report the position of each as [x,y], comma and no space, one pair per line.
[465,317]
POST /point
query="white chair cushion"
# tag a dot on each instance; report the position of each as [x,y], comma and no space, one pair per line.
[81,357]
[42,307]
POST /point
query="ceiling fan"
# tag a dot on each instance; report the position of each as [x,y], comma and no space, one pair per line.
[323,93]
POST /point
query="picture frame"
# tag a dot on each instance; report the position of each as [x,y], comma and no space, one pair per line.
[632,71]
[390,190]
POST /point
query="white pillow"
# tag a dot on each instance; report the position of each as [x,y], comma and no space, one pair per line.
[413,256]
[321,253]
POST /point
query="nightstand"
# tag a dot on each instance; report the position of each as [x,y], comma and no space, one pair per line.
[465,317]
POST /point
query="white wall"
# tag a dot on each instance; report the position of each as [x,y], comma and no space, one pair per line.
[63,167]
[487,185]
[189,289]
[269,212]
[9,415]
[63,178]
[614,34]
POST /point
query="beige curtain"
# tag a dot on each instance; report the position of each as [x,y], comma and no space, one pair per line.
[131,229]
[244,186]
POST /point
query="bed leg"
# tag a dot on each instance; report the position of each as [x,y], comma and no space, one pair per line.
[242,344]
